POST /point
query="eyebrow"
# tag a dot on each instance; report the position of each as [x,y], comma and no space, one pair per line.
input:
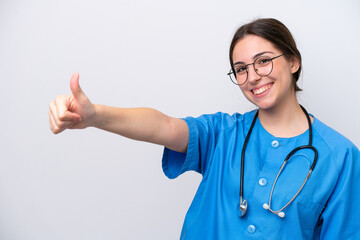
[255,56]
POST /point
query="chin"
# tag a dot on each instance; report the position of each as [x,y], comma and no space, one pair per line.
[263,104]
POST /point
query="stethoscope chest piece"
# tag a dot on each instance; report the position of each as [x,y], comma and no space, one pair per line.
[242,207]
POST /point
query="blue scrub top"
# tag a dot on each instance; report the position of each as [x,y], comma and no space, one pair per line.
[328,207]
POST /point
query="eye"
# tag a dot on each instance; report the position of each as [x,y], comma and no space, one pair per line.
[263,61]
[240,69]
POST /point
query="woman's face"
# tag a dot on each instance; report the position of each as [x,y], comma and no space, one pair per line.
[270,91]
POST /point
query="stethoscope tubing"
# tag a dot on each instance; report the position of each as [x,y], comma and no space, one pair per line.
[243,156]
[243,201]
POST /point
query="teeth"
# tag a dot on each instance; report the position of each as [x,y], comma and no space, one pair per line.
[261,90]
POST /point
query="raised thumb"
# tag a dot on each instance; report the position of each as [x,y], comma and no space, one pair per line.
[75,87]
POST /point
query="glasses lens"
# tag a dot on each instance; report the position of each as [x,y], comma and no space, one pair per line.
[263,66]
[240,75]
[232,77]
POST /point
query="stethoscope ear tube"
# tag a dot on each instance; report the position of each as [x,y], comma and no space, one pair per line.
[280,212]
[304,147]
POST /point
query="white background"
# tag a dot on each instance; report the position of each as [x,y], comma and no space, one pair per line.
[168,55]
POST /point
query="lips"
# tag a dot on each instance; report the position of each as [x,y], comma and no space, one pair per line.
[262,89]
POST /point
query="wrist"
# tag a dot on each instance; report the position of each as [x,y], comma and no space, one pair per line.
[96,118]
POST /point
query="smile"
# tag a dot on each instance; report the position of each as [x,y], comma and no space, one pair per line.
[261,90]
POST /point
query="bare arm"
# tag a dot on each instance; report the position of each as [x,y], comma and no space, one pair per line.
[144,124]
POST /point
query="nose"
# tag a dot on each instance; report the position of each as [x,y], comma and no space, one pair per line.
[253,77]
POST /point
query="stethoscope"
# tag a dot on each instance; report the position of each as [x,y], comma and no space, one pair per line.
[243,204]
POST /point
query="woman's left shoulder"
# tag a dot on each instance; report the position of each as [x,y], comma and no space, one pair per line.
[334,140]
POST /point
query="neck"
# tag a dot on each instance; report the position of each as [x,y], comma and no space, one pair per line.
[285,120]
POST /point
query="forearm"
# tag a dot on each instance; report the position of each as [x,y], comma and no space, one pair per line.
[143,124]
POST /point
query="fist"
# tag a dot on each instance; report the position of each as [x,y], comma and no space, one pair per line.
[71,111]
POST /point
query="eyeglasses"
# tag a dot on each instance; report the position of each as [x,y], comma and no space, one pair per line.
[263,66]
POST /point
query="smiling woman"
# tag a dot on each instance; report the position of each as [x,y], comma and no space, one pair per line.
[272,173]
[270,74]
[277,34]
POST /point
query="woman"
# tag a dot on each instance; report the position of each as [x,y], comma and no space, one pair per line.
[246,191]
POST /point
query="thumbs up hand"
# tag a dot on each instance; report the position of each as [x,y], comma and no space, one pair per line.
[71,111]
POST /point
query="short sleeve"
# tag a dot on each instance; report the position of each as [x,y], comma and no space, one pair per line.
[340,218]
[203,133]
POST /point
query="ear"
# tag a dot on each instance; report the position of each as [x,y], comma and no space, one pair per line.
[294,64]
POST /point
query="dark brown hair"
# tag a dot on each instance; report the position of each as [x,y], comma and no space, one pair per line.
[275,32]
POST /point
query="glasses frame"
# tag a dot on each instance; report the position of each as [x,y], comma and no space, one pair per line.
[232,70]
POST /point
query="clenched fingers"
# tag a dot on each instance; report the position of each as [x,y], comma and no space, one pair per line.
[60,118]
